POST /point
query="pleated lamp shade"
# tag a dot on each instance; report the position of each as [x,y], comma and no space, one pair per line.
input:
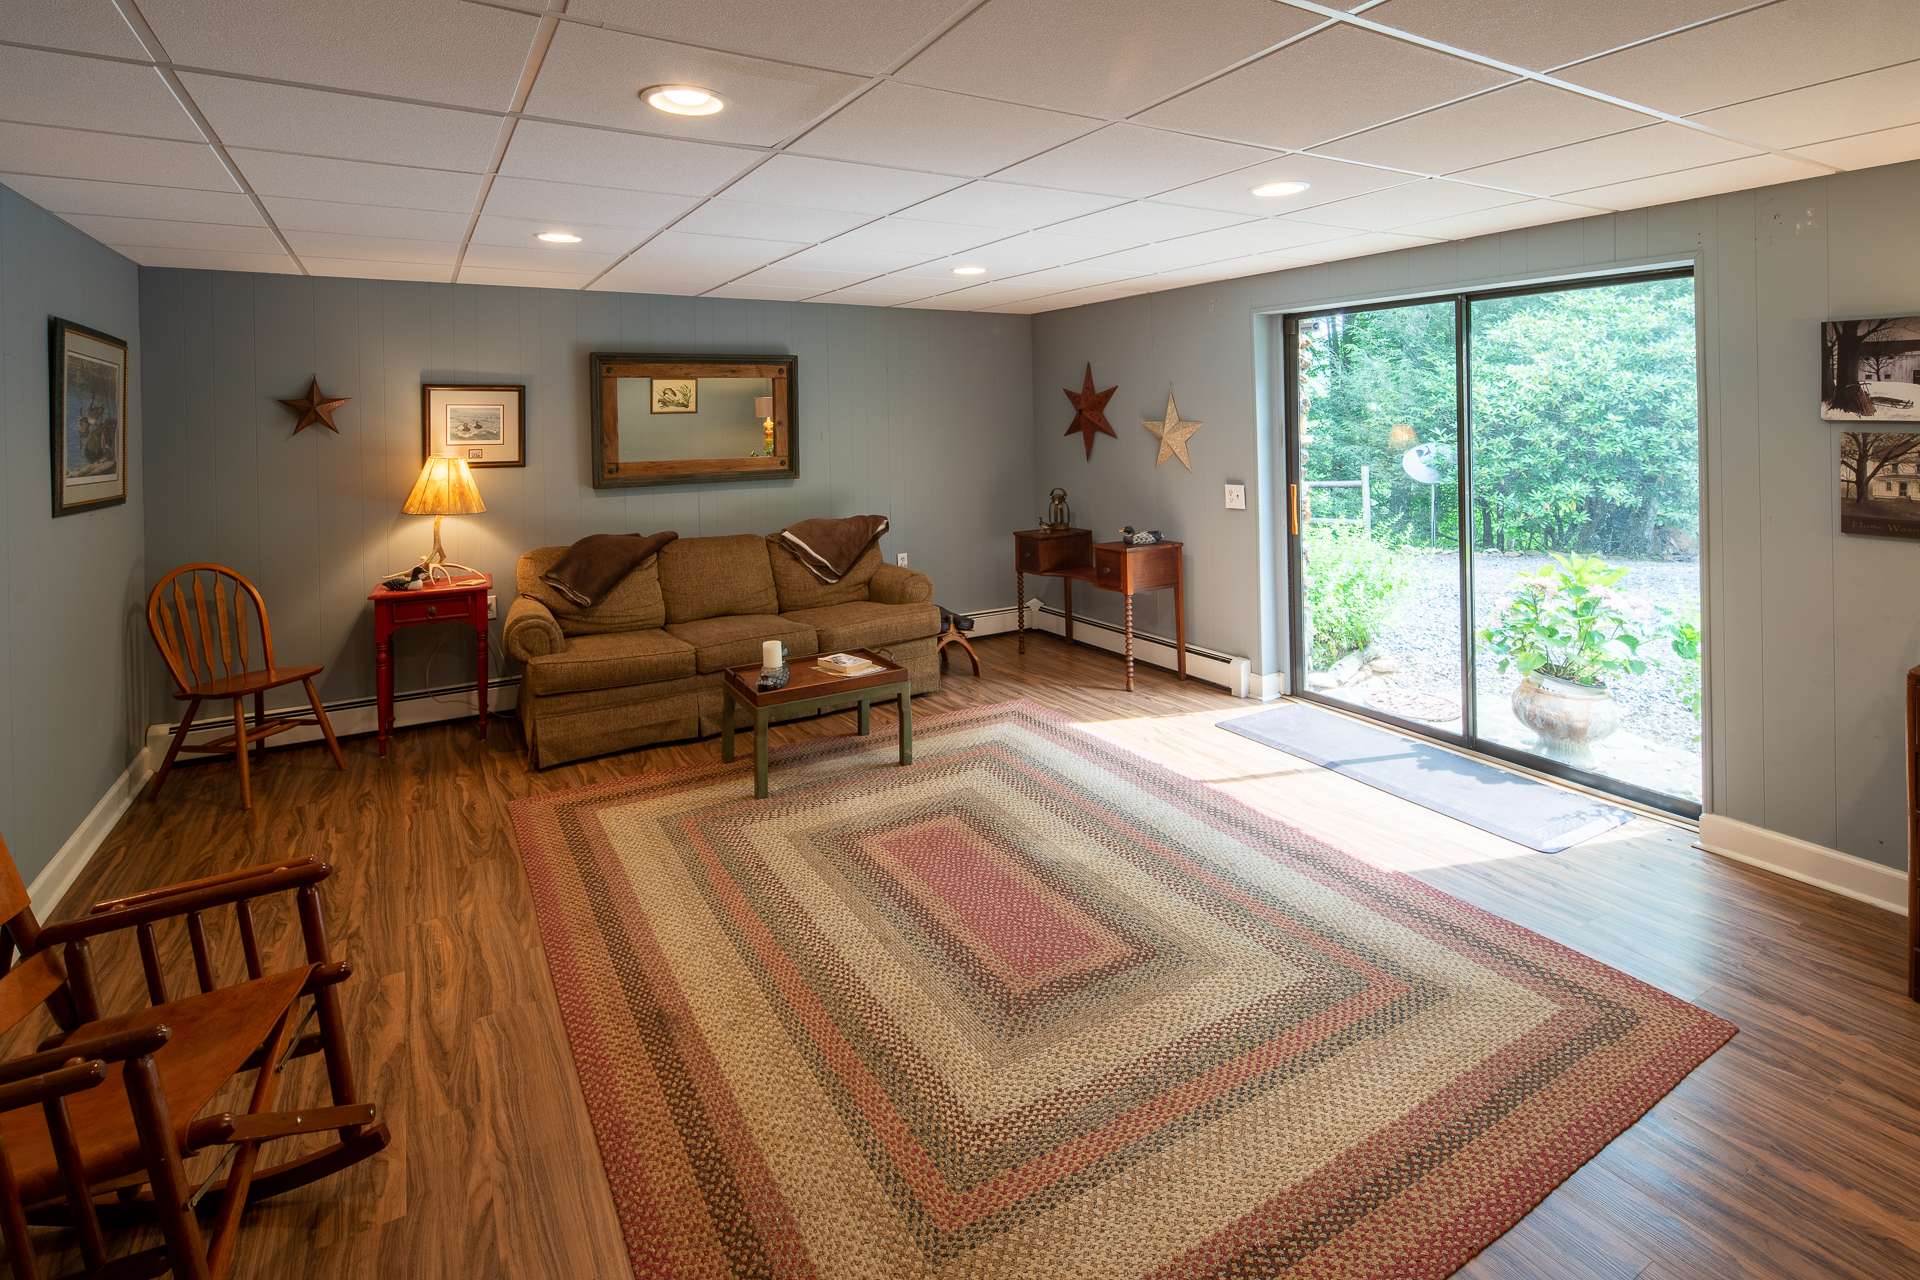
[445,488]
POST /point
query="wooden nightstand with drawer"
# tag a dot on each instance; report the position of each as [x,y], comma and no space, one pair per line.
[1072,554]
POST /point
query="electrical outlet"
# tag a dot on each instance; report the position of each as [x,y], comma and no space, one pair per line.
[1236,497]
[901,560]
[493,606]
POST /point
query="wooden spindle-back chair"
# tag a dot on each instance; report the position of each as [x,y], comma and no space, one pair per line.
[203,633]
[98,1123]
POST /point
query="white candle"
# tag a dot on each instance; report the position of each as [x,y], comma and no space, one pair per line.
[770,655]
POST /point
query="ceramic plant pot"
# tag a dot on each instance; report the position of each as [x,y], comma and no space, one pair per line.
[1569,718]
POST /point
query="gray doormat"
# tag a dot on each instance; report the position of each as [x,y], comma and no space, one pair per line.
[1497,800]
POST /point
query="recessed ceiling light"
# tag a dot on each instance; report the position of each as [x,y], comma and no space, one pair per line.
[682,99]
[969,271]
[558,237]
[1274,190]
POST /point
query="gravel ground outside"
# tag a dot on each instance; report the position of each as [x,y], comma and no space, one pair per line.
[1424,634]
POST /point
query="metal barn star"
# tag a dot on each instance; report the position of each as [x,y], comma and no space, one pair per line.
[315,407]
[1090,410]
[1173,433]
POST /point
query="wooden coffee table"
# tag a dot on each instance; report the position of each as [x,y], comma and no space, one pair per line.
[809,688]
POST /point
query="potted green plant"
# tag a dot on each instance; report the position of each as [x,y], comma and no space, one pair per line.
[1564,631]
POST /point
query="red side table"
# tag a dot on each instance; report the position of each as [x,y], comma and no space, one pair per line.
[462,601]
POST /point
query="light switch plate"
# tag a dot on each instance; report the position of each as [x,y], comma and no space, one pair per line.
[493,606]
[901,560]
[1236,497]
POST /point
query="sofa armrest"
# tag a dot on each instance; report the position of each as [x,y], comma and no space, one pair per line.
[531,630]
[893,585]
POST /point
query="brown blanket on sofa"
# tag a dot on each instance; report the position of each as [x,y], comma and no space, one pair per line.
[829,545]
[593,566]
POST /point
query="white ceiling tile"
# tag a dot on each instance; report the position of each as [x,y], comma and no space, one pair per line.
[470,273]
[553,259]
[886,292]
[902,124]
[1123,54]
[333,244]
[1268,235]
[365,219]
[88,93]
[867,260]
[1254,264]
[1639,153]
[676,262]
[86,26]
[594,76]
[1362,246]
[603,158]
[804,182]
[129,200]
[67,153]
[468,55]
[1330,180]
[557,202]
[1864,151]
[994,293]
[749,288]
[1010,207]
[1142,223]
[1518,31]
[1077,297]
[1856,104]
[1015,255]
[1127,160]
[377,269]
[212,260]
[917,236]
[357,182]
[1508,122]
[519,233]
[758,221]
[1074,276]
[177,235]
[246,113]
[1417,202]
[1334,82]
[1691,184]
[782,275]
[847,35]
[1764,51]
[1512,217]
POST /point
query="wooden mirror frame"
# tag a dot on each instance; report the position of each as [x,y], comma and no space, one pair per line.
[610,472]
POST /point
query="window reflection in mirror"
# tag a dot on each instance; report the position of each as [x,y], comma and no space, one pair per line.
[670,419]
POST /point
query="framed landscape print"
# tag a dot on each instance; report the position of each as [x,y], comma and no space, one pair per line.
[88,382]
[1880,483]
[486,425]
[676,395]
[1870,370]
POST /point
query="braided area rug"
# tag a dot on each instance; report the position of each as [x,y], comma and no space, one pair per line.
[1033,1007]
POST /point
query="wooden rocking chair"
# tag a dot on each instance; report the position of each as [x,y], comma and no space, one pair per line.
[186,638]
[100,1121]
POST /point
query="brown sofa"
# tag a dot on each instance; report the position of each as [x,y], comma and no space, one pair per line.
[644,665]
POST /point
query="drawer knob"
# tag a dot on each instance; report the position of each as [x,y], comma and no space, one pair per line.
[432,610]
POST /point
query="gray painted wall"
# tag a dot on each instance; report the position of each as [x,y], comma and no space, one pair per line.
[1809,632]
[922,416]
[71,590]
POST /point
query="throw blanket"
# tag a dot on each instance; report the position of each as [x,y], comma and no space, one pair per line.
[593,566]
[830,546]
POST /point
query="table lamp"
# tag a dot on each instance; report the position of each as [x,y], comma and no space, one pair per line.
[763,408]
[445,488]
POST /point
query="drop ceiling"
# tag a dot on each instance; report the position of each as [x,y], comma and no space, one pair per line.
[1078,150]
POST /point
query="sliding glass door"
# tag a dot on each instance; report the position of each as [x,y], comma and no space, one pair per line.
[1559,429]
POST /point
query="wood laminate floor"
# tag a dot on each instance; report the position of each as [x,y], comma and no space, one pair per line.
[1794,1151]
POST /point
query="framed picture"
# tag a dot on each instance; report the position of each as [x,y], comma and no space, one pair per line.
[1880,483]
[88,382]
[675,395]
[486,425]
[1870,370]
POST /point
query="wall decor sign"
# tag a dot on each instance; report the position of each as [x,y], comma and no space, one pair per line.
[675,395]
[1870,370]
[1880,483]
[1173,432]
[88,383]
[316,408]
[482,423]
[1089,410]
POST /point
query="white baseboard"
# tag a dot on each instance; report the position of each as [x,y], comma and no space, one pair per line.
[351,717]
[1802,860]
[72,858]
[1267,686]
[1223,669]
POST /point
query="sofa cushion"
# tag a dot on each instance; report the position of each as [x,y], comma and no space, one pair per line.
[610,660]
[714,577]
[735,641]
[799,589]
[635,605]
[864,624]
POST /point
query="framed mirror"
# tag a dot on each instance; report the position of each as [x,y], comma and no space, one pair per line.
[673,419]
